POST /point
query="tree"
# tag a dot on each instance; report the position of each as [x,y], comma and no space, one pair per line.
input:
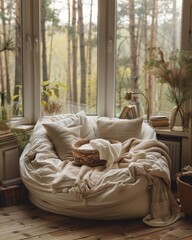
[52,18]
[152,44]
[2,82]
[8,87]
[89,55]
[82,54]
[18,54]
[69,84]
[133,49]
[74,55]
[44,48]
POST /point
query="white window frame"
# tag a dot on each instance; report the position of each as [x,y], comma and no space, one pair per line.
[106,56]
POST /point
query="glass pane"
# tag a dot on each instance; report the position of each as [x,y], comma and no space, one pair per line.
[10,60]
[143,25]
[69,56]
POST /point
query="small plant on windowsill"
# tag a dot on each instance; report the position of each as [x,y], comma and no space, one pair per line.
[176,72]
[51,89]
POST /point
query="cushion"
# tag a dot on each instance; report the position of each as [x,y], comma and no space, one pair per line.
[86,131]
[119,129]
[62,134]
[67,128]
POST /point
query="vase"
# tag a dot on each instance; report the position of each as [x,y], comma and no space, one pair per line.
[177,120]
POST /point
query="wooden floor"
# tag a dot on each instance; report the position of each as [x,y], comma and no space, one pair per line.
[26,221]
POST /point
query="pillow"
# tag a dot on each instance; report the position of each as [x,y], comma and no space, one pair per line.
[62,134]
[119,129]
[86,130]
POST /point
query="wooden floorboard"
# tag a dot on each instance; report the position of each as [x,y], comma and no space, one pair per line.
[26,221]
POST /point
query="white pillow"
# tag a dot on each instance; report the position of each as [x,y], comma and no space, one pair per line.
[86,130]
[62,134]
[119,129]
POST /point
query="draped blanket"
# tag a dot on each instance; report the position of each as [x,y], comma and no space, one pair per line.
[126,163]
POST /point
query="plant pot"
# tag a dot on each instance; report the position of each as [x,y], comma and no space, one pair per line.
[185,193]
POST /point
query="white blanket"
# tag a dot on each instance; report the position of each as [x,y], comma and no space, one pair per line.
[126,163]
[150,158]
[107,151]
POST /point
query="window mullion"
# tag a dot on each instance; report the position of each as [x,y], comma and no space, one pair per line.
[110,77]
[106,72]
[36,59]
[101,106]
[27,63]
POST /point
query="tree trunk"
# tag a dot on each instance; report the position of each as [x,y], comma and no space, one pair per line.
[2,82]
[69,84]
[82,55]
[89,55]
[151,85]
[144,26]
[17,57]
[174,35]
[44,55]
[133,46]
[133,51]
[51,45]
[74,55]
[8,88]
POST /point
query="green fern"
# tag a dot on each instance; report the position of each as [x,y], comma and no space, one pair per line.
[7,46]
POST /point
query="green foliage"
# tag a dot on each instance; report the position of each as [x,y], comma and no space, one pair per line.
[22,138]
[7,46]
[51,88]
[52,15]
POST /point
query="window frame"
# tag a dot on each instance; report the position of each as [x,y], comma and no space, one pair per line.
[106,56]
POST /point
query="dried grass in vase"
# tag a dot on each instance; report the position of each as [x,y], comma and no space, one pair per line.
[176,72]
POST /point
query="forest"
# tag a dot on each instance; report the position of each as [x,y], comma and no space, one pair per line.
[69,53]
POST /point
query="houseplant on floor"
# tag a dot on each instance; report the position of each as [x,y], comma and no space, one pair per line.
[177,73]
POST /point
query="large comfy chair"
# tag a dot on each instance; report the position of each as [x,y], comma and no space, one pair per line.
[134,182]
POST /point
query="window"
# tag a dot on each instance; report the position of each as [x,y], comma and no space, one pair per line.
[69,56]
[11,103]
[80,53]
[140,27]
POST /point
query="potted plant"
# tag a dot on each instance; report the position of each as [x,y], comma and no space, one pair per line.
[176,71]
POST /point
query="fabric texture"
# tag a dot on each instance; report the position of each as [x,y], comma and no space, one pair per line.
[67,130]
[119,129]
[63,133]
[135,184]
[86,130]
[107,151]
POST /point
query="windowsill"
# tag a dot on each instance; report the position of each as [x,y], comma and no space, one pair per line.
[166,131]
[23,127]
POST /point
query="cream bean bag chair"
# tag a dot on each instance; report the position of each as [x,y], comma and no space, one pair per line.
[134,182]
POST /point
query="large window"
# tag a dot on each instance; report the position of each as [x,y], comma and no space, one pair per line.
[69,56]
[84,54]
[143,26]
[11,101]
